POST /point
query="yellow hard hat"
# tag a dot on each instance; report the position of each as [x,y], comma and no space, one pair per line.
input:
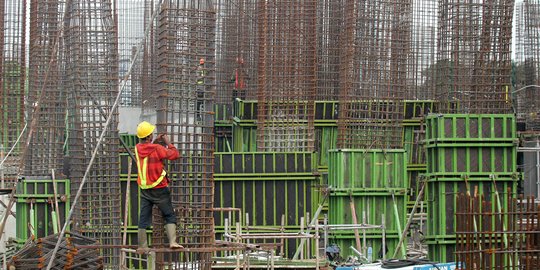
[144,129]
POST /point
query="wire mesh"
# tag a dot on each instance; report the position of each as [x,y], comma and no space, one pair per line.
[45,150]
[502,235]
[527,68]
[287,75]
[12,82]
[186,90]
[375,45]
[91,59]
[473,58]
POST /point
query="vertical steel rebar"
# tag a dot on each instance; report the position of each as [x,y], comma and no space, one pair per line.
[91,59]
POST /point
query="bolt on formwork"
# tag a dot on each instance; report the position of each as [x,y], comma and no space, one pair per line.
[186,89]
[46,102]
[287,75]
[497,234]
[527,69]
[91,75]
[236,41]
[473,56]
[373,76]
[12,84]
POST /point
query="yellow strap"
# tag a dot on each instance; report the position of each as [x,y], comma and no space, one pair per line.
[143,171]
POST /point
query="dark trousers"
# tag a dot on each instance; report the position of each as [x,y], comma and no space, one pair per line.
[160,197]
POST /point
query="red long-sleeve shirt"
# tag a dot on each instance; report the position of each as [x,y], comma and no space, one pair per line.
[156,155]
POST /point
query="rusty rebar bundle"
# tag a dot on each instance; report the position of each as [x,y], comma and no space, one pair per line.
[473,59]
[12,81]
[375,44]
[500,233]
[287,75]
[72,254]
[92,79]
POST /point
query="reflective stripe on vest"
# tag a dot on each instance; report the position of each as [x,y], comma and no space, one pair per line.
[142,173]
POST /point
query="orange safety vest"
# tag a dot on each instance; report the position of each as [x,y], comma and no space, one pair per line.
[141,180]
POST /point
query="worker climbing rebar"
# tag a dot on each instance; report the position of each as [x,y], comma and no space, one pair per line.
[153,182]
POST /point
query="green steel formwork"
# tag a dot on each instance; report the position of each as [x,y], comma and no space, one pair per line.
[223,113]
[367,169]
[244,137]
[470,128]
[471,159]
[347,240]
[266,199]
[223,138]
[260,163]
[134,201]
[325,111]
[35,204]
[441,249]
[413,137]
[325,140]
[442,199]
[415,110]
[129,139]
[374,204]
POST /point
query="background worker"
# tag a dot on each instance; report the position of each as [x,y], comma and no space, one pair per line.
[153,182]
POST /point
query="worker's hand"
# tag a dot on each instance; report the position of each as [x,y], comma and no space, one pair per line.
[164,138]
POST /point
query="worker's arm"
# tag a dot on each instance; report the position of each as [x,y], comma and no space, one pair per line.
[169,152]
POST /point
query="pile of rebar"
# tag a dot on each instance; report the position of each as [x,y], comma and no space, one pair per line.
[501,235]
[75,252]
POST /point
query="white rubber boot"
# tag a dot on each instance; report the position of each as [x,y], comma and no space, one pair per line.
[171,234]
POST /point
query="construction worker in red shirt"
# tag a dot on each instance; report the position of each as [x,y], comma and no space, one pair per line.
[153,183]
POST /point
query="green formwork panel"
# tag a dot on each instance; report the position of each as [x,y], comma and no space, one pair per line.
[413,137]
[417,109]
[244,138]
[223,138]
[479,159]
[134,201]
[372,169]
[34,208]
[372,204]
[263,163]
[223,112]
[346,241]
[441,249]
[129,139]
[470,127]
[124,159]
[325,140]
[266,200]
[442,194]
